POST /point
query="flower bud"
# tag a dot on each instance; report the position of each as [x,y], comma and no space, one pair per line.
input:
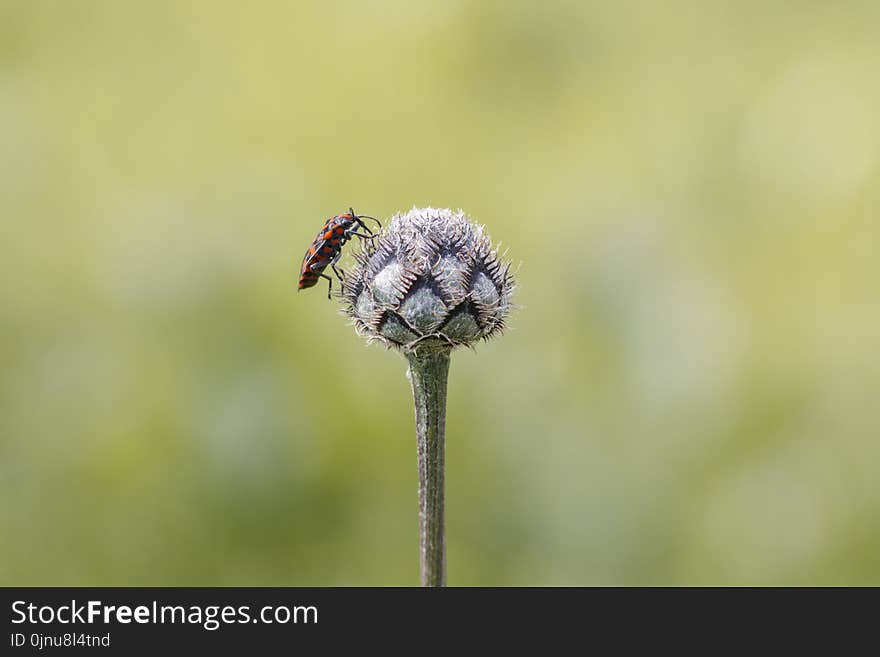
[431,279]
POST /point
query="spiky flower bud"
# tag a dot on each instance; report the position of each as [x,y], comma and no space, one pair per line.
[431,279]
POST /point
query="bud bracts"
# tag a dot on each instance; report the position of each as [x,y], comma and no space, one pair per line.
[431,277]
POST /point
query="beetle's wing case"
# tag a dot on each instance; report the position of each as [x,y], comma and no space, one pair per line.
[314,250]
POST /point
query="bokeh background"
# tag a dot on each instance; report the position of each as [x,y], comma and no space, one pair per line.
[688,394]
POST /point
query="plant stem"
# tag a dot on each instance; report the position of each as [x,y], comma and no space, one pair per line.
[428,373]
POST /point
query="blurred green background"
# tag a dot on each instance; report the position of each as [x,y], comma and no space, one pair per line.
[688,394]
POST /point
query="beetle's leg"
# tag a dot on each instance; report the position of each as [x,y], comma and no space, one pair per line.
[318,268]
[340,273]
[329,283]
[361,235]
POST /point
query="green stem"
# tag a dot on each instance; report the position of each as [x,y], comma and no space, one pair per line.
[428,373]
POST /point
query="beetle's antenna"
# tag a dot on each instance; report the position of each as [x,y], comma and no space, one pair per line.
[364,216]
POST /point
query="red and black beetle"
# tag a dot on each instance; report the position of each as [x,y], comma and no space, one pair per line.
[326,248]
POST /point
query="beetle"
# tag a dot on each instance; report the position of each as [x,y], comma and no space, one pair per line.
[326,248]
